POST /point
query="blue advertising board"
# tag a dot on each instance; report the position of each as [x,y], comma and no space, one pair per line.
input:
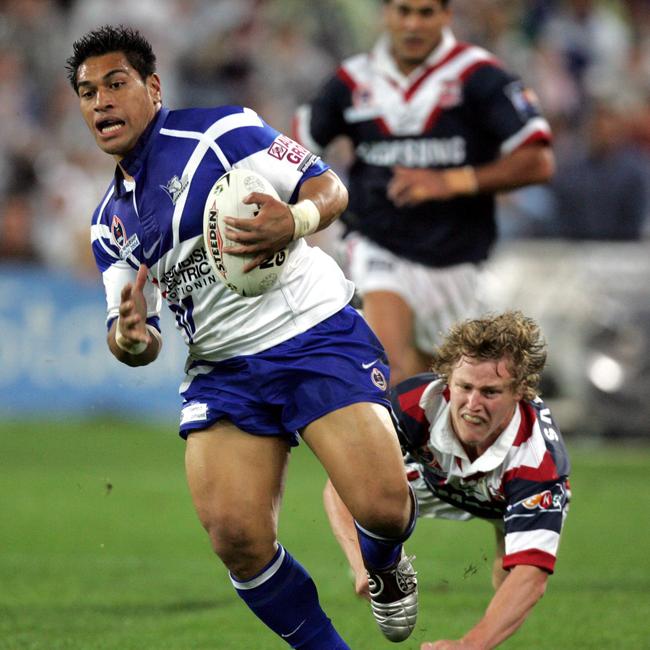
[54,358]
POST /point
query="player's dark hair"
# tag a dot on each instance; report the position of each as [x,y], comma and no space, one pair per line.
[107,39]
[509,335]
[444,3]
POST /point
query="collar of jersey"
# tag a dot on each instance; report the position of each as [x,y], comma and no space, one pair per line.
[386,64]
[134,160]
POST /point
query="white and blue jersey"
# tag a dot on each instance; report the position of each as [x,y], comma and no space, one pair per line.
[158,220]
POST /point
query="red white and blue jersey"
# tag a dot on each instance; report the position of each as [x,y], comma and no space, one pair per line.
[158,220]
[460,107]
[520,482]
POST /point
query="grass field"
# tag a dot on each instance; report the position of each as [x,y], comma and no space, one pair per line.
[100,549]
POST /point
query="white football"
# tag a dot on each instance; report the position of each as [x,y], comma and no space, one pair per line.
[225,200]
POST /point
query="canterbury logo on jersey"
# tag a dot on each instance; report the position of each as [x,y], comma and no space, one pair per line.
[420,152]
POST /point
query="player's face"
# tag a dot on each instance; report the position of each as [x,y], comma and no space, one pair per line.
[415,29]
[116,103]
[482,401]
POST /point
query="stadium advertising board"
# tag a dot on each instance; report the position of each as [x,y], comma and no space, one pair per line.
[54,358]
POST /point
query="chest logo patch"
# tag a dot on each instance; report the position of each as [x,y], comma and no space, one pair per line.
[126,244]
[451,93]
[175,187]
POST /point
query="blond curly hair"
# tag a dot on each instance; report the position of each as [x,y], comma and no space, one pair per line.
[509,335]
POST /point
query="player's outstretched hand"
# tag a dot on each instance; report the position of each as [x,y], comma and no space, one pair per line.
[361,586]
[268,232]
[133,309]
[409,186]
[447,644]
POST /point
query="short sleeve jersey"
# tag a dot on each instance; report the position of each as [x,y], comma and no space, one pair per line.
[158,220]
[461,107]
[520,481]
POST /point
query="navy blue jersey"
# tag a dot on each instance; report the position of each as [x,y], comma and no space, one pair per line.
[459,108]
[520,482]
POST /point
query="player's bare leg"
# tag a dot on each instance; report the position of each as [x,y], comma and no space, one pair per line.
[392,320]
[236,481]
[358,448]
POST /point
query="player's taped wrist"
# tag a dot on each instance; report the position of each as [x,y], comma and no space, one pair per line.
[306,218]
[461,180]
[135,348]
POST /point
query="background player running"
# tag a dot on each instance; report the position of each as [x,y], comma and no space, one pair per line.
[438,127]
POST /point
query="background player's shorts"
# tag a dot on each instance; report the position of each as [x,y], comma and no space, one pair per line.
[281,390]
[438,297]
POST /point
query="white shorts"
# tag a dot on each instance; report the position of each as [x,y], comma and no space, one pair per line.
[438,297]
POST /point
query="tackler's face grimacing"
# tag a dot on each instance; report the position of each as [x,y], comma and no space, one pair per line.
[483,400]
[116,103]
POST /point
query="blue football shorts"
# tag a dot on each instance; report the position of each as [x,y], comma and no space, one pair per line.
[279,391]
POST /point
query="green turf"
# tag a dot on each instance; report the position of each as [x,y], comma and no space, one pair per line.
[100,549]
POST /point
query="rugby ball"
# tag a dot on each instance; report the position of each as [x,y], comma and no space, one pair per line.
[225,200]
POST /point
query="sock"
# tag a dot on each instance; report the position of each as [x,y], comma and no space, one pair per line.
[380,552]
[284,597]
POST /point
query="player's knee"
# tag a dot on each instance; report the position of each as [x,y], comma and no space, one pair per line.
[398,375]
[387,511]
[406,364]
[396,357]
[241,547]
[400,369]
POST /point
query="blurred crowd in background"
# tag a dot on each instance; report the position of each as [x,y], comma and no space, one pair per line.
[588,61]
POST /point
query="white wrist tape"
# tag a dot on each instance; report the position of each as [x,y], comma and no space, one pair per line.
[306,218]
[125,344]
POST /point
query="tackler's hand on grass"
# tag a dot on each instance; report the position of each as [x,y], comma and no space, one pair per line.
[361,586]
[448,645]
